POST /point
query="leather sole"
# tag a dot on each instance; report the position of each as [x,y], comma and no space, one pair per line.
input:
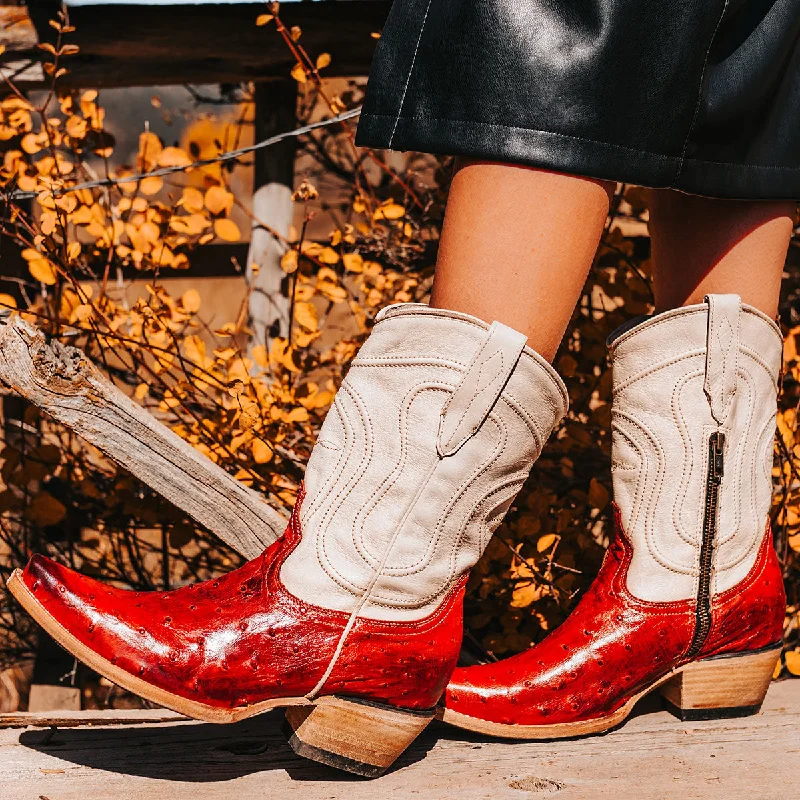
[729,685]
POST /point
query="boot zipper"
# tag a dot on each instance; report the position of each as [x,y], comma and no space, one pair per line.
[716,445]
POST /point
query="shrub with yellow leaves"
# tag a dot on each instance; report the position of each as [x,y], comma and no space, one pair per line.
[254,410]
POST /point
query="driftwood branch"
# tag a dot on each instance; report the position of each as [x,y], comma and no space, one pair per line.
[64,383]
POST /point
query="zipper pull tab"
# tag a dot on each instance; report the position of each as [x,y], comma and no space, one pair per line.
[717,459]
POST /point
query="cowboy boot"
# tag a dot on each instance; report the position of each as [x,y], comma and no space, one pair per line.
[353,618]
[689,599]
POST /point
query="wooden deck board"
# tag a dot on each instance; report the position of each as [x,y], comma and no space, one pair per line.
[158,44]
[652,757]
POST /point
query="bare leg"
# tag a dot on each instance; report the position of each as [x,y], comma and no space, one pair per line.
[517,244]
[703,246]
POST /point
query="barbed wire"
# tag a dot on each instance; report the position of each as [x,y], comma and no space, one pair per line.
[229,155]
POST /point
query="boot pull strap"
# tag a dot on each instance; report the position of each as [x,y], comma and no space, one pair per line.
[479,387]
[722,352]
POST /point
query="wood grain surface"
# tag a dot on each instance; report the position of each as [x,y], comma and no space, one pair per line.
[653,756]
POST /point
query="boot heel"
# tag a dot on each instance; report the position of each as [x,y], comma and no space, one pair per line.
[731,685]
[356,736]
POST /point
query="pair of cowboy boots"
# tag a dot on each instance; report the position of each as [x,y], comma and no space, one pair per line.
[353,618]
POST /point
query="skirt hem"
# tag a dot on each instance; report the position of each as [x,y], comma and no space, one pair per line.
[577,155]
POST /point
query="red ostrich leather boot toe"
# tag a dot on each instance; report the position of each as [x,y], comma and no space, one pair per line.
[353,618]
[225,649]
[689,600]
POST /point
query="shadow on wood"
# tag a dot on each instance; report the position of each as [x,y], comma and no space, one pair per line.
[173,752]
[652,756]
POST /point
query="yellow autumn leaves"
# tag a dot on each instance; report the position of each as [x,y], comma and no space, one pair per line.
[787,495]
[792,661]
[240,404]
[138,218]
[532,577]
[40,268]
[252,400]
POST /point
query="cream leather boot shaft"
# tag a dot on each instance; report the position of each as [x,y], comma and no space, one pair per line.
[695,399]
[433,432]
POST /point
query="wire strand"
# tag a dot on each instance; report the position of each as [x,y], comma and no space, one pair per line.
[204,162]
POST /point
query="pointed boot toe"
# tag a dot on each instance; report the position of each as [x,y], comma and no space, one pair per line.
[218,651]
[69,605]
[172,648]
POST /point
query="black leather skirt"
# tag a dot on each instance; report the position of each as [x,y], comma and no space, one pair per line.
[697,95]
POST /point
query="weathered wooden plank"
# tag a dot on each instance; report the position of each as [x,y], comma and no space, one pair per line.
[23,71]
[44,697]
[651,757]
[67,386]
[162,44]
[273,183]
[89,718]
[14,686]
